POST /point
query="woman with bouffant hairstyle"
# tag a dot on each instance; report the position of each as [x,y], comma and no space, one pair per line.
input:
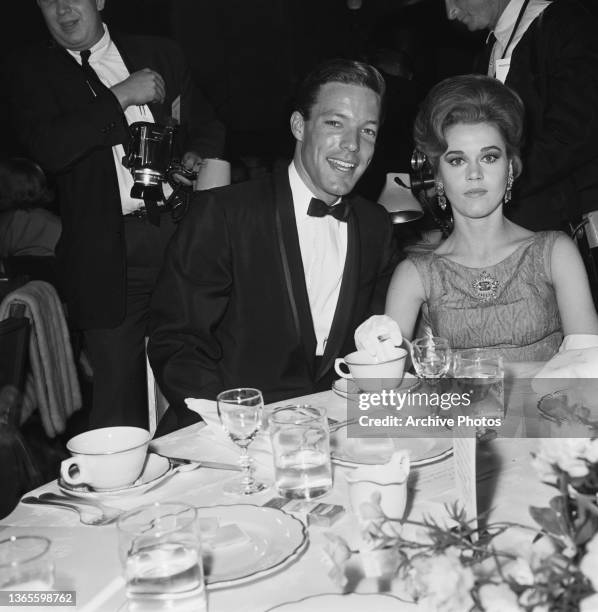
[491,283]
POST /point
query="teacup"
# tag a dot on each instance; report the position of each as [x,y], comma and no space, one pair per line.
[107,458]
[371,375]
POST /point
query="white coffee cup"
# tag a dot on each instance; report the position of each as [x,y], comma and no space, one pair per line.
[106,458]
[371,375]
[213,173]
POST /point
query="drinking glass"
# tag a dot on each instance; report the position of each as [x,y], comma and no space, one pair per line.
[240,412]
[431,357]
[25,564]
[301,449]
[479,373]
[160,550]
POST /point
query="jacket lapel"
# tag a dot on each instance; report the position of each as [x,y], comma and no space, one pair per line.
[294,275]
[346,299]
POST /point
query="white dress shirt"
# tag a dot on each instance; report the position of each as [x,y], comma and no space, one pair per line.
[110,68]
[323,243]
[504,28]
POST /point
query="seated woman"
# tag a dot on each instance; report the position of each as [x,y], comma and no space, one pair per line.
[27,228]
[491,283]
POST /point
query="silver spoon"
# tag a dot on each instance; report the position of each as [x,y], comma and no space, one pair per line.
[85,517]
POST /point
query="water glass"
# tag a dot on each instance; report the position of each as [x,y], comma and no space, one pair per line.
[431,357]
[480,373]
[241,415]
[160,549]
[301,448]
[25,564]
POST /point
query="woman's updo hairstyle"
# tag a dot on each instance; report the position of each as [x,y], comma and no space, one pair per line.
[471,99]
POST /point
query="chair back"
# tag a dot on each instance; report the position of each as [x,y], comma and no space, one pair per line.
[157,404]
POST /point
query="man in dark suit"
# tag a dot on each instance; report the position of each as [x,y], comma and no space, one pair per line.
[72,102]
[265,281]
[548,53]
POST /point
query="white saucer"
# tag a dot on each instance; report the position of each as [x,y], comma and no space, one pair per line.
[156,468]
[347,388]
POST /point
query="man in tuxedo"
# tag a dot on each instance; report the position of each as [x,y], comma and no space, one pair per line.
[548,53]
[265,281]
[72,102]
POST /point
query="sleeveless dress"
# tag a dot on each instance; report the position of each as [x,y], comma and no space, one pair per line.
[510,306]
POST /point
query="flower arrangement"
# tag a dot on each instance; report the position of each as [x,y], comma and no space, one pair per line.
[473,565]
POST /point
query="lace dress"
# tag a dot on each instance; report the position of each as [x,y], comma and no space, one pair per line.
[510,306]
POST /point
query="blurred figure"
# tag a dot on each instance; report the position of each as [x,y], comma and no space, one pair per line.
[548,53]
[491,283]
[72,102]
[27,227]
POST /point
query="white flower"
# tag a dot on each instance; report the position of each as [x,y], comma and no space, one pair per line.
[441,583]
[498,598]
[591,453]
[589,563]
[334,555]
[589,604]
[519,571]
[566,453]
[592,545]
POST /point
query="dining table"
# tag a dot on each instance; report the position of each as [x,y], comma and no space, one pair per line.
[86,557]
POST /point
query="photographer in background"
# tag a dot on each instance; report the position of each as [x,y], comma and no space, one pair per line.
[72,102]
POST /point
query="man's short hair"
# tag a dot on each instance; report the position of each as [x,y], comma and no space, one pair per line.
[349,72]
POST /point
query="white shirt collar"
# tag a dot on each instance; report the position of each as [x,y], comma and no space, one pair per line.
[302,194]
[98,49]
[506,22]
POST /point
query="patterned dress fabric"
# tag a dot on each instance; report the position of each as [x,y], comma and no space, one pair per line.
[510,306]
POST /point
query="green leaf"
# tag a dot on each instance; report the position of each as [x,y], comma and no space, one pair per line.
[548,519]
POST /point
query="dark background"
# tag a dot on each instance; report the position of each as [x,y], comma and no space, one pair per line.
[248,56]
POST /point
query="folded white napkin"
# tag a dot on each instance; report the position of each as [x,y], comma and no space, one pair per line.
[208,411]
[575,366]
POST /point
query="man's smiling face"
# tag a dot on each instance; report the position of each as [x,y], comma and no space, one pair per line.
[336,142]
[74,24]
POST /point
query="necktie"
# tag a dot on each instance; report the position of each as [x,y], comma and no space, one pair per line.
[340,211]
[483,59]
[89,71]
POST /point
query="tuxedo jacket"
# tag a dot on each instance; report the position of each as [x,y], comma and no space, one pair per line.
[554,68]
[231,308]
[69,127]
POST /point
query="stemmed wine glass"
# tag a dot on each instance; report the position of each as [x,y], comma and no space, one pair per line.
[240,412]
[431,357]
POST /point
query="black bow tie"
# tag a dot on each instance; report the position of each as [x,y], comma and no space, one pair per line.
[339,211]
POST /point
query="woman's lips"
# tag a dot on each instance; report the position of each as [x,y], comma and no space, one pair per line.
[476,193]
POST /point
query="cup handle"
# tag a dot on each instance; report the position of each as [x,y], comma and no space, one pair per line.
[65,471]
[409,347]
[337,367]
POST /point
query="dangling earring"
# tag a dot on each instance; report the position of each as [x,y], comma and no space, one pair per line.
[440,195]
[510,180]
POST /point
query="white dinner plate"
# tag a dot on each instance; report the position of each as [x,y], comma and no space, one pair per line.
[351,602]
[353,452]
[347,388]
[156,468]
[274,540]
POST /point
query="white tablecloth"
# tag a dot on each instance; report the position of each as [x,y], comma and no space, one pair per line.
[87,557]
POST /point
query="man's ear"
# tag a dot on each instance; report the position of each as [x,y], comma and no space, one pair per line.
[297,125]
[100,4]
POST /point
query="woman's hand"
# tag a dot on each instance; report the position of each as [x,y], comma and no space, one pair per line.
[379,336]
